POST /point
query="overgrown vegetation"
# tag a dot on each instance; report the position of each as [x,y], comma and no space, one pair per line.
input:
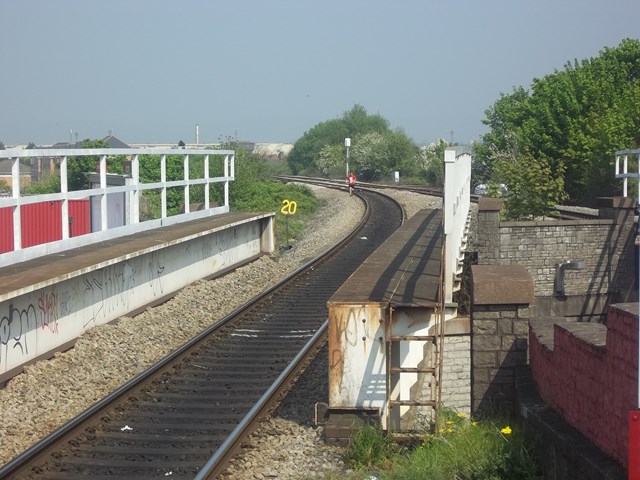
[269,197]
[490,448]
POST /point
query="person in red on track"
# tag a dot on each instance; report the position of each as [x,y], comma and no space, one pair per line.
[351,181]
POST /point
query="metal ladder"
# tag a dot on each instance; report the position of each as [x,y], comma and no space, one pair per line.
[432,370]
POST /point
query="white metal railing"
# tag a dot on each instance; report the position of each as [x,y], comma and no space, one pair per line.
[132,192]
[623,156]
[457,201]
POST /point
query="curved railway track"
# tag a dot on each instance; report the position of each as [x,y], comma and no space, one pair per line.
[559,212]
[184,416]
[423,189]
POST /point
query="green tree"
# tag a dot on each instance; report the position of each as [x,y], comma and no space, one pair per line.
[79,167]
[403,154]
[533,187]
[331,160]
[377,155]
[369,157]
[307,148]
[431,162]
[574,120]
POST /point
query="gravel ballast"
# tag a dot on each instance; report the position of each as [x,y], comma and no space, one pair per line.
[287,446]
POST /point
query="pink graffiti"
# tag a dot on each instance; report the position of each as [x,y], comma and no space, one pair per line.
[48,307]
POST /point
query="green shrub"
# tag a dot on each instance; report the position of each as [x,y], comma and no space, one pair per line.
[48,184]
[269,197]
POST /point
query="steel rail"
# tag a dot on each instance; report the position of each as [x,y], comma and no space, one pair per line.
[221,457]
[72,427]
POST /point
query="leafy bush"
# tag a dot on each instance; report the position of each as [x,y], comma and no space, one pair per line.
[48,184]
[533,188]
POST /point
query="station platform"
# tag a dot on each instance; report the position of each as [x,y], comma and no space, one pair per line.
[46,303]
[27,276]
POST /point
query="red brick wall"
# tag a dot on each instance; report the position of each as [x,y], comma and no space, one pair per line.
[592,387]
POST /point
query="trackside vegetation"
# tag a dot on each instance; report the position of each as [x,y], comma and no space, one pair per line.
[460,448]
[568,125]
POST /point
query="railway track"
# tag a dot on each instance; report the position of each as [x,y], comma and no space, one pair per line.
[423,189]
[560,212]
[184,417]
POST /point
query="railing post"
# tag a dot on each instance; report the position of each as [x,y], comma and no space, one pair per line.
[226,181]
[104,220]
[163,180]
[17,209]
[64,188]
[207,184]
[187,199]
[134,203]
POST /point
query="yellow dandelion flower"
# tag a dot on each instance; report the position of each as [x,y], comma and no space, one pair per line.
[449,430]
[462,415]
[449,422]
[506,430]
[474,424]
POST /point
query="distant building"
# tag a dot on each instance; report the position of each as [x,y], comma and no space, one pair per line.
[110,140]
[272,151]
[115,142]
[5,174]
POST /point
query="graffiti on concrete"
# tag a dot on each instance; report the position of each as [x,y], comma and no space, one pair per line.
[38,322]
[48,310]
[15,325]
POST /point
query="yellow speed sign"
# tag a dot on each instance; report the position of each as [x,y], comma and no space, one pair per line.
[289,207]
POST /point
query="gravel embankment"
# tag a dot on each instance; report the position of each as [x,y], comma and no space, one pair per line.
[287,446]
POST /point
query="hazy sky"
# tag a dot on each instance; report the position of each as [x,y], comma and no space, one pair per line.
[269,70]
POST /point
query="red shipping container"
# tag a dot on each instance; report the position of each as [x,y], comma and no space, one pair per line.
[6,230]
[42,223]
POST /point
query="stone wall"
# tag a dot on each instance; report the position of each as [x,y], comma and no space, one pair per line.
[501,296]
[605,246]
[456,373]
[500,315]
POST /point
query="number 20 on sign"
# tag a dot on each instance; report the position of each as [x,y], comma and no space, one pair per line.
[289,207]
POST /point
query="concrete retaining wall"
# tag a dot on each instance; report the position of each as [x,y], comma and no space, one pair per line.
[36,323]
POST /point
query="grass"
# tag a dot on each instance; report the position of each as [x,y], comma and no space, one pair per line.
[292,204]
[490,448]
